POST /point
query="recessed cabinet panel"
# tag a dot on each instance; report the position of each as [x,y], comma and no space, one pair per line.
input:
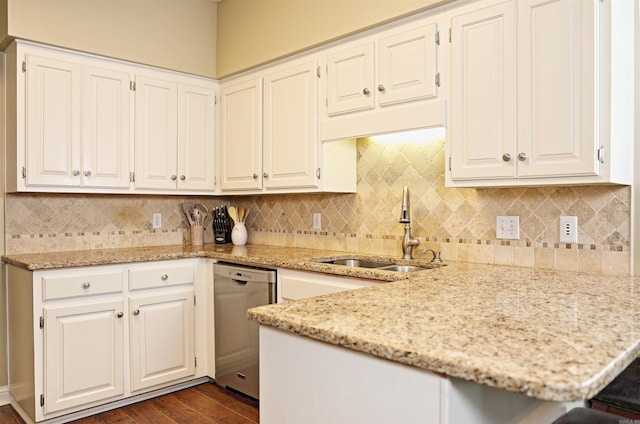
[350,80]
[83,353]
[241,136]
[106,116]
[556,122]
[154,320]
[196,138]
[408,66]
[290,127]
[54,129]
[483,93]
[156,133]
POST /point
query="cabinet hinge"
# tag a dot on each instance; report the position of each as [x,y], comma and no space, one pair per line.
[24,66]
[449,163]
[132,177]
[318,71]
[41,400]
[132,85]
[438,38]
[449,34]
[194,301]
[24,172]
[195,362]
[326,69]
[215,100]
[41,322]
[326,102]
[318,173]
[601,156]
[438,79]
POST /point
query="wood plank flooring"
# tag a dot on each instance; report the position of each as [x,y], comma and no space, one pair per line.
[202,404]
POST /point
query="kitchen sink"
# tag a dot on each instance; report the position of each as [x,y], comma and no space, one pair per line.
[382,265]
[362,263]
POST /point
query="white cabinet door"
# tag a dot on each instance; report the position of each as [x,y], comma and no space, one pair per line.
[290,155]
[106,124]
[241,135]
[556,88]
[482,134]
[53,122]
[350,79]
[156,134]
[83,353]
[162,337]
[196,137]
[295,285]
[408,66]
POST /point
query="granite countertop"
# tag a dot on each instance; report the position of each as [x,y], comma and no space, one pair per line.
[552,335]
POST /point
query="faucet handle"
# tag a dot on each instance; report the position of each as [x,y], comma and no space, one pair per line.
[436,255]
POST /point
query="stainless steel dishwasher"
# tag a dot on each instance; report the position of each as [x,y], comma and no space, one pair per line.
[237,288]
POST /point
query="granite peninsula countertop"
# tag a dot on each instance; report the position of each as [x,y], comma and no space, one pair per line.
[556,336]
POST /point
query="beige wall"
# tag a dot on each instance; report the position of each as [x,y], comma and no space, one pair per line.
[252,32]
[172,34]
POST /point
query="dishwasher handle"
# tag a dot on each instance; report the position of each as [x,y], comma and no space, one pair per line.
[240,282]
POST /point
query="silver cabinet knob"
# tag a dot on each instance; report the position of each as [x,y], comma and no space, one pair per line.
[86,285]
[365,91]
[506,157]
[119,314]
[174,177]
[381,88]
[164,277]
[76,172]
[182,178]
[522,157]
[255,176]
[136,312]
[266,175]
[87,173]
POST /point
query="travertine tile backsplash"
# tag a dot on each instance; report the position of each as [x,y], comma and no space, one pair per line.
[460,222]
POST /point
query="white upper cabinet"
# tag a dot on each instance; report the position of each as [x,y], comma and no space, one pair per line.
[290,156]
[241,135]
[540,111]
[269,134]
[174,134]
[72,125]
[382,83]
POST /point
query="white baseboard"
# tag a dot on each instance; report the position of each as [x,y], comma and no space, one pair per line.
[5,396]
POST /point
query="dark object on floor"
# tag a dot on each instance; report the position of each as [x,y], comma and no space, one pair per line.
[622,395]
[588,416]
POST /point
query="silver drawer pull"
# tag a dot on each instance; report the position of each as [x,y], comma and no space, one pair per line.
[119,314]
[164,277]
[86,285]
[136,312]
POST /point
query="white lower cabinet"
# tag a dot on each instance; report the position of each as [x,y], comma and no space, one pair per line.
[82,337]
[295,285]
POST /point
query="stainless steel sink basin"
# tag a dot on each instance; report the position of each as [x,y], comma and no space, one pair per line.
[382,265]
[362,263]
[402,268]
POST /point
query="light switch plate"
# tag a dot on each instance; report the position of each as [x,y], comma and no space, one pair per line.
[317,221]
[508,227]
[157,220]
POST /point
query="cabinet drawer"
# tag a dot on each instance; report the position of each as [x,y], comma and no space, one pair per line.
[62,286]
[160,276]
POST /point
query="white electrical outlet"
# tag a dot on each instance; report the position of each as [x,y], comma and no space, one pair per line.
[317,221]
[508,227]
[568,229]
[157,220]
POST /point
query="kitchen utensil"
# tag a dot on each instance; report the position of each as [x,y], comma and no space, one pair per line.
[233,213]
[197,216]
[187,207]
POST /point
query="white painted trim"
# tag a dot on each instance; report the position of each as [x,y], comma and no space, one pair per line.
[5,396]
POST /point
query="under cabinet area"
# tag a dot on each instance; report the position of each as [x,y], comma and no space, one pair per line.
[295,285]
[103,334]
[75,123]
[535,88]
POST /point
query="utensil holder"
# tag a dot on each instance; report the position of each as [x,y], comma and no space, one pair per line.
[239,234]
[197,235]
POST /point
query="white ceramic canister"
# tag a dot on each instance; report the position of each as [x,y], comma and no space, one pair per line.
[239,234]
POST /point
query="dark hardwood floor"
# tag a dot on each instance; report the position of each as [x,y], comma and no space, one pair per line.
[205,403]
